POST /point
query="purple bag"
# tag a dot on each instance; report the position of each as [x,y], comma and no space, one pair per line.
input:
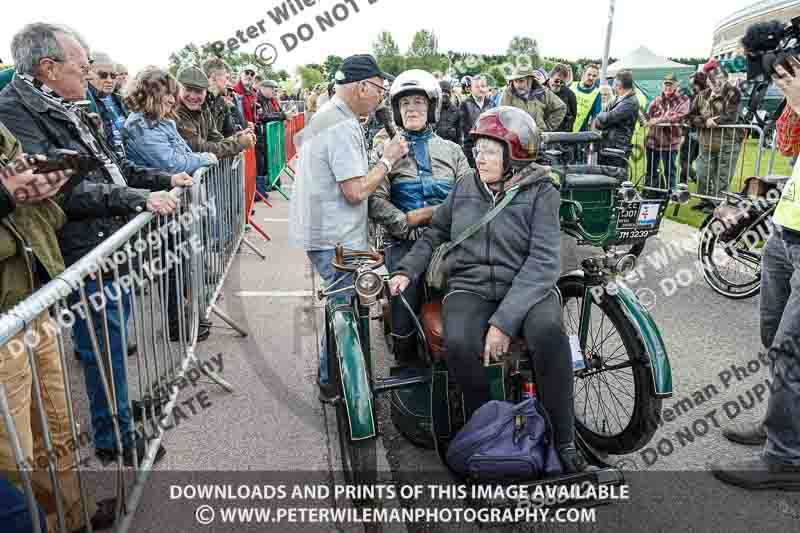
[505,442]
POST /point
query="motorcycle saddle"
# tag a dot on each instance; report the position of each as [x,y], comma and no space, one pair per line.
[433,327]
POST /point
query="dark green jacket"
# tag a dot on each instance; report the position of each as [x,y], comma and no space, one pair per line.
[200,132]
[27,237]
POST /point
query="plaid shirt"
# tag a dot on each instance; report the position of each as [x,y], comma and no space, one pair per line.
[788,128]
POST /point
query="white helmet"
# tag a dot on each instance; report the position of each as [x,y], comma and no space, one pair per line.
[416,82]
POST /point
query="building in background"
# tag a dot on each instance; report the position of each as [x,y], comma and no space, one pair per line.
[729,32]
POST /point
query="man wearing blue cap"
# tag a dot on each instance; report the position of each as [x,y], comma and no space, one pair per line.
[329,205]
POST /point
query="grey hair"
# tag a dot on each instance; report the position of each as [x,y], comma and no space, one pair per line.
[101,58]
[39,40]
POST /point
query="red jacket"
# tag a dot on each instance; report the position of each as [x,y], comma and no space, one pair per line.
[248,101]
[674,111]
[788,128]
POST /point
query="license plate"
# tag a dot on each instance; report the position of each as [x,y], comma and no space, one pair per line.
[639,220]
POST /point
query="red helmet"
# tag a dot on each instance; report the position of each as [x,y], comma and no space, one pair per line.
[511,126]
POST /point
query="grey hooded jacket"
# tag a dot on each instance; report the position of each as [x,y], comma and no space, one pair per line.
[515,259]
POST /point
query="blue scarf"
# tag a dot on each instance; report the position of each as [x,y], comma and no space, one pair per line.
[419,145]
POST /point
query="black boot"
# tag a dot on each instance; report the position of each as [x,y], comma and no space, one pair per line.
[751,434]
[103,518]
[758,474]
[572,460]
[405,351]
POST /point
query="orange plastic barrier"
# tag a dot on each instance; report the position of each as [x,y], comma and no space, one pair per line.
[291,127]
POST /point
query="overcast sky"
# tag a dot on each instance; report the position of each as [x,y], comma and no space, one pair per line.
[141,32]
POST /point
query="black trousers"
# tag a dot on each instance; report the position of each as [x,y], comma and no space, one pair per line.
[466,321]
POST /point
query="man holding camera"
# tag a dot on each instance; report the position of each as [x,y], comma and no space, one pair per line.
[38,107]
[220,101]
[778,467]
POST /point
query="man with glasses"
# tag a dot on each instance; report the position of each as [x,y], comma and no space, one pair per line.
[329,204]
[109,104]
[244,87]
[40,109]
[558,84]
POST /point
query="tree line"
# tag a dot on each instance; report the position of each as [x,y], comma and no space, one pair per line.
[423,53]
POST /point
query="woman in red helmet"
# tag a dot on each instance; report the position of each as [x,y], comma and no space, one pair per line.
[502,279]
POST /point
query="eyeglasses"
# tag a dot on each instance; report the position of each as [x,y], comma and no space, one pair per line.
[487,153]
[249,73]
[84,68]
[106,75]
[379,87]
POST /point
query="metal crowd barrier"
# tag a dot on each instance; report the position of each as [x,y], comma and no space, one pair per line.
[718,159]
[159,275]
[297,105]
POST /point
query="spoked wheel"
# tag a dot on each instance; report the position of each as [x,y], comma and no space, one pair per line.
[615,410]
[732,269]
[359,458]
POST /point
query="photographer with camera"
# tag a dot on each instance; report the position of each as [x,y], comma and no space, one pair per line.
[778,467]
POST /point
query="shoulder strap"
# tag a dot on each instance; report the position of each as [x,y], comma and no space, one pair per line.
[471,230]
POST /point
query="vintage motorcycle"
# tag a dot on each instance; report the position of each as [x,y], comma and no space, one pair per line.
[622,372]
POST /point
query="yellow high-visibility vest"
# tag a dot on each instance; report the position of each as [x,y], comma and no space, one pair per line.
[787,214]
[585,104]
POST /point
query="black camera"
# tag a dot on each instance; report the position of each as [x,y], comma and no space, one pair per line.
[768,44]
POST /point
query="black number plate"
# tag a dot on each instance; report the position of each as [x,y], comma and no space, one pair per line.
[637,221]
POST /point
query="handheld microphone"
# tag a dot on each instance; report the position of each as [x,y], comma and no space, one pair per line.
[383,116]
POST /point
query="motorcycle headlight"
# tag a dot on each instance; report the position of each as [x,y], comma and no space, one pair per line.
[680,194]
[368,287]
[625,264]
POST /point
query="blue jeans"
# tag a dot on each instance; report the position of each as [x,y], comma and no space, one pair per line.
[656,158]
[101,412]
[321,259]
[780,332]
[15,517]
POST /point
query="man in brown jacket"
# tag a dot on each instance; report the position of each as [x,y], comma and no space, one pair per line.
[196,125]
[717,106]
[526,93]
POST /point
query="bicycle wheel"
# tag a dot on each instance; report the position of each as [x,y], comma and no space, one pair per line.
[615,410]
[359,458]
[731,269]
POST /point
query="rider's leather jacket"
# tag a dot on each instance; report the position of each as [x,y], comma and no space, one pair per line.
[411,185]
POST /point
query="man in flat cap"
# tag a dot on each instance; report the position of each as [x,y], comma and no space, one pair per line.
[329,205]
[527,91]
[196,124]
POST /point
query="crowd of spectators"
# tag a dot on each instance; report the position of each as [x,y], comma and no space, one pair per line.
[151,132]
[148,135]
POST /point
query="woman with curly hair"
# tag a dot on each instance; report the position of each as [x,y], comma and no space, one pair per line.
[151,137]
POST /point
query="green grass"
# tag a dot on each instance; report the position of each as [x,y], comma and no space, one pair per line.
[744,169]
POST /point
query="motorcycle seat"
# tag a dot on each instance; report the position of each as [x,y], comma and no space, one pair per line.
[433,327]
